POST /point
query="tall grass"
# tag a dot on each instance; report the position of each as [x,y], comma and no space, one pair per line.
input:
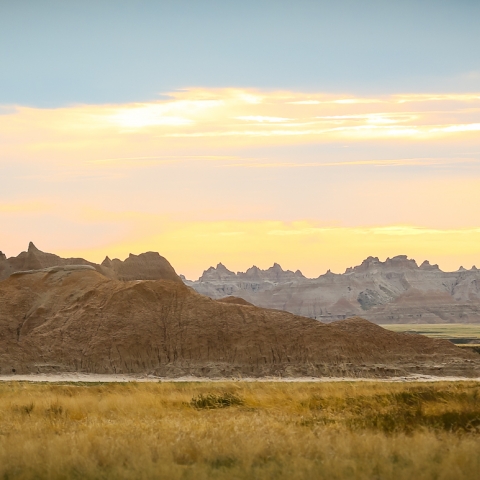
[240,431]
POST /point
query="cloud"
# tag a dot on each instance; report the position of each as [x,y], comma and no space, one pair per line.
[262,119]
[172,162]
[339,101]
[373,118]
[472,127]
[407,230]
[198,120]
[305,102]
[391,162]
[389,230]
[170,113]
[437,98]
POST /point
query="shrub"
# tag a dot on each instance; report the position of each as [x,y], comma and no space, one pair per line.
[27,409]
[55,410]
[212,400]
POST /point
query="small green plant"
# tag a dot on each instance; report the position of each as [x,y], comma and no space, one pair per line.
[212,400]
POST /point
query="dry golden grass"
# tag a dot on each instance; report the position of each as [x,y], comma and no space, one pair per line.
[438,330]
[240,430]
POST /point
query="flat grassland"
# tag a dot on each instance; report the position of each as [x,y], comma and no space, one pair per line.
[465,335]
[240,430]
[439,330]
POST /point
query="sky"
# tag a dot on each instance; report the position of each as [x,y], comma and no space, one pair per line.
[308,133]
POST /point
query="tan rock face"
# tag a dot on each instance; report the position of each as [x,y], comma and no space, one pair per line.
[146,266]
[79,320]
[394,291]
[34,259]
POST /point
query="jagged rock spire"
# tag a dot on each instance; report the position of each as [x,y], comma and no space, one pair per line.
[32,247]
[426,265]
[107,262]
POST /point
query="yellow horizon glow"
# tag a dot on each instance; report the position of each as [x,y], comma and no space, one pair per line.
[192,247]
[310,246]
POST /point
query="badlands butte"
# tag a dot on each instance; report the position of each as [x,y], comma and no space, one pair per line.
[394,291]
[139,317]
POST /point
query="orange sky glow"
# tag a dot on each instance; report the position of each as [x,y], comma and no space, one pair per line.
[309,180]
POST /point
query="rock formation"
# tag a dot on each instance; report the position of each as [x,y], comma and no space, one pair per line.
[394,291]
[146,266]
[74,319]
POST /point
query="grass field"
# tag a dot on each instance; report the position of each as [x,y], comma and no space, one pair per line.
[441,330]
[235,430]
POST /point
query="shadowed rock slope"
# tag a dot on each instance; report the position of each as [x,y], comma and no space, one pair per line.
[78,320]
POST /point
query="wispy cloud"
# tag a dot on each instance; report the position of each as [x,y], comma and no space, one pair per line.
[177,157]
[435,98]
[299,228]
[263,119]
[156,160]
[339,101]
[233,117]
[391,162]
[408,230]
[472,127]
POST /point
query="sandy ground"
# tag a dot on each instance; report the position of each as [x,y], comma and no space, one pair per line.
[83,377]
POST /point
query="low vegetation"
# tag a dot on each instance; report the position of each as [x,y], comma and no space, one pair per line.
[439,330]
[240,430]
[215,400]
[464,335]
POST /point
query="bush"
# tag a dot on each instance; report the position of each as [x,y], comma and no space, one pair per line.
[26,409]
[213,400]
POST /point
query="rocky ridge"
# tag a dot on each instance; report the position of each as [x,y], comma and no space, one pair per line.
[395,291]
[146,266]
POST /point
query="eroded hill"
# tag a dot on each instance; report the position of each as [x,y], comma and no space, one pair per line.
[76,319]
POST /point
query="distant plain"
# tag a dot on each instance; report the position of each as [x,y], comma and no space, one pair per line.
[466,335]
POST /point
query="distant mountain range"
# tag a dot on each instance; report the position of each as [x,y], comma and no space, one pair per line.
[394,291]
